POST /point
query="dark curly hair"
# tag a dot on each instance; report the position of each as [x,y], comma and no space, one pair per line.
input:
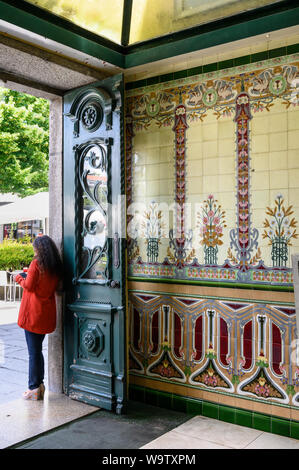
[48,256]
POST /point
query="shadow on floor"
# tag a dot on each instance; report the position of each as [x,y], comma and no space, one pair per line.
[106,430]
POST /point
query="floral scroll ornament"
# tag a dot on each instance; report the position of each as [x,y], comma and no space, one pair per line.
[210,376]
[152,228]
[180,251]
[211,222]
[243,238]
[262,385]
[280,230]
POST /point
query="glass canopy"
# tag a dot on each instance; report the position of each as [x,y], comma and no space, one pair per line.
[151,19]
[143,20]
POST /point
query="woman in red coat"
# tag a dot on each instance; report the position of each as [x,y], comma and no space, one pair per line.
[37,313]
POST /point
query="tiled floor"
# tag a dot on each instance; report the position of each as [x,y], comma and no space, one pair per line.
[207,433]
[149,427]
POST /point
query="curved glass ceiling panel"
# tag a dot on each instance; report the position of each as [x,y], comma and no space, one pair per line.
[154,18]
[102,17]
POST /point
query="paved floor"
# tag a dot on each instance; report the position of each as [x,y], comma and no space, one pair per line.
[105,430]
[150,427]
[144,426]
[14,355]
[21,420]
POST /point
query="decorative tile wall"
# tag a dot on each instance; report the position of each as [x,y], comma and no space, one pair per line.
[220,151]
[235,352]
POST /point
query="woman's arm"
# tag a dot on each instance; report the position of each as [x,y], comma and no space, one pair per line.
[29,283]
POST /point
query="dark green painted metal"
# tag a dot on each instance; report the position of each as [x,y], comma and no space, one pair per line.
[57,29]
[95,312]
[243,60]
[126,24]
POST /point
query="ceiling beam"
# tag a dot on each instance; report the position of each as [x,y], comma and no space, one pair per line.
[126,23]
[205,38]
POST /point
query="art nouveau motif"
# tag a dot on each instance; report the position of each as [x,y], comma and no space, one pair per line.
[93,178]
[280,230]
[152,229]
[240,348]
[242,95]
[244,238]
[180,249]
[211,221]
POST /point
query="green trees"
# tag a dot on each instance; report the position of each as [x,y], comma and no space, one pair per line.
[15,255]
[24,143]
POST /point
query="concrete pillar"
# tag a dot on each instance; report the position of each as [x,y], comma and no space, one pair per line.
[55,340]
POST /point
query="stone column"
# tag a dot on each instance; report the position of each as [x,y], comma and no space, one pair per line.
[55,340]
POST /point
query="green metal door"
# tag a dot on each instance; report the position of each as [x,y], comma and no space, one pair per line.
[94,316]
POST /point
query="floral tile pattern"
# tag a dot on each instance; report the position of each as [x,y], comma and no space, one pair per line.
[243,349]
[205,117]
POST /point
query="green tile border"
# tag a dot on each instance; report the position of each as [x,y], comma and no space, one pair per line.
[222,298]
[228,414]
[243,60]
[180,404]
[151,396]
[194,407]
[211,410]
[243,418]
[261,422]
[294,430]
[280,426]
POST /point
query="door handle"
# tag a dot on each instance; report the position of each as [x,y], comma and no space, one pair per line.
[116,250]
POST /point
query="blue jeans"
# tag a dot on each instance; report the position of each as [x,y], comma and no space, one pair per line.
[36,359]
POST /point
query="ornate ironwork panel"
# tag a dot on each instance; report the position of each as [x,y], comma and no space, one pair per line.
[94,244]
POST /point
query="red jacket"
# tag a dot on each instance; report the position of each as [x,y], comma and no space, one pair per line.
[38,306]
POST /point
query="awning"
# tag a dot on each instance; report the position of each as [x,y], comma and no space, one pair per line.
[34,207]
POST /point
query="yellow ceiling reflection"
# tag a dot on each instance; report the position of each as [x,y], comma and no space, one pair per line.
[155,18]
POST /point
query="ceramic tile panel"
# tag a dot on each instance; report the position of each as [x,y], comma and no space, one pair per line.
[278,160]
[219,150]
[234,352]
[293,120]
